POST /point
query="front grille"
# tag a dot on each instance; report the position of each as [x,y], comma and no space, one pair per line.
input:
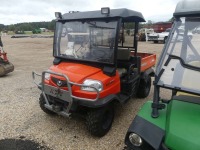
[63,83]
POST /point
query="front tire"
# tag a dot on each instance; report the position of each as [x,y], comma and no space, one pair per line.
[144,86]
[42,103]
[99,121]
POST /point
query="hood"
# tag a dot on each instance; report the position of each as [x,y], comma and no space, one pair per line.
[75,72]
[182,127]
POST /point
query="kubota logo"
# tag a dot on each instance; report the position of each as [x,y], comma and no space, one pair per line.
[59,83]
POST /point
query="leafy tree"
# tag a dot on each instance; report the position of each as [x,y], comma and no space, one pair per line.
[149,22]
[28,26]
[2,27]
[11,27]
[129,25]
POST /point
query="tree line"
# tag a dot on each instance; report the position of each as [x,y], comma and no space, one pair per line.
[35,25]
[51,26]
[30,26]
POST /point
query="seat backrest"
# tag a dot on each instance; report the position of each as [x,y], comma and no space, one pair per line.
[123,54]
[70,49]
[70,45]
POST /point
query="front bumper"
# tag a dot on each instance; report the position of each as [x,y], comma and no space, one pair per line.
[152,38]
[66,96]
[151,135]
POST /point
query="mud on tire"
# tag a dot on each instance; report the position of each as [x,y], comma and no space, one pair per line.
[99,121]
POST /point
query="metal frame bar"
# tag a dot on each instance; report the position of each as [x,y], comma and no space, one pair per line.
[68,99]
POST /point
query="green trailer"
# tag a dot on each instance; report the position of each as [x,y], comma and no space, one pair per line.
[174,123]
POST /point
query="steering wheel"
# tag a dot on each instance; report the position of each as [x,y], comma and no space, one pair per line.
[99,54]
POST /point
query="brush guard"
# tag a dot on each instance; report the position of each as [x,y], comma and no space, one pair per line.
[59,93]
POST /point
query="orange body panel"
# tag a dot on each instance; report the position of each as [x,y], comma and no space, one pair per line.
[77,73]
[111,85]
[3,55]
[147,60]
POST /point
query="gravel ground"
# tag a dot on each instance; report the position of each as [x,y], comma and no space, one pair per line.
[21,115]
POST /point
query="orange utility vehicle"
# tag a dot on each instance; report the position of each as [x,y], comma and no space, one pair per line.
[5,65]
[91,70]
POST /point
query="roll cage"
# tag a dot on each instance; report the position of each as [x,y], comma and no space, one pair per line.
[121,16]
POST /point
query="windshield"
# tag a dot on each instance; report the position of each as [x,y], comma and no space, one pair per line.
[88,41]
[180,59]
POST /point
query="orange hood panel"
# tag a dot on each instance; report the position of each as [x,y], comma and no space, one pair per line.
[76,72]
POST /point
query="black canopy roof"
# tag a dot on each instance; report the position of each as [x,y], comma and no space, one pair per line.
[126,15]
[187,8]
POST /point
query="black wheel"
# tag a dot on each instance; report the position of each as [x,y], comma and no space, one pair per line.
[165,40]
[155,41]
[144,86]
[99,121]
[42,103]
[2,71]
[127,148]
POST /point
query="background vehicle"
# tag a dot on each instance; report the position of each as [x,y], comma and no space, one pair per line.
[196,30]
[5,65]
[91,70]
[156,37]
[173,123]
[161,26]
[143,34]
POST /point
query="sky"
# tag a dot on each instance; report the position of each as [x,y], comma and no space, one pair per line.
[18,11]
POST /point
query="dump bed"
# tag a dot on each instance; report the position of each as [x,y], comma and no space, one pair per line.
[148,60]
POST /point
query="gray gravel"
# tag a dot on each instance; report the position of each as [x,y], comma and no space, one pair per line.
[22,116]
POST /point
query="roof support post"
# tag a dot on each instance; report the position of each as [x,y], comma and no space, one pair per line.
[135,42]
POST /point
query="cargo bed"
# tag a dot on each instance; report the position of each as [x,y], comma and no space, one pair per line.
[148,60]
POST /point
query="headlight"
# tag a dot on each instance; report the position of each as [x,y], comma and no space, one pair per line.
[135,139]
[47,75]
[94,83]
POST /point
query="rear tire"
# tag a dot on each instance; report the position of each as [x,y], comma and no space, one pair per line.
[144,86]
[155,41]
[42,103]
[99,121]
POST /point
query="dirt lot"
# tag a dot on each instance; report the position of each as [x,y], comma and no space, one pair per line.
[21,115]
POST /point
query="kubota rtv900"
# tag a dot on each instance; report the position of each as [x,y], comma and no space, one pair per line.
[92,70]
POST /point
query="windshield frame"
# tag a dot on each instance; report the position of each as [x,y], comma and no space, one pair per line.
[166,57]
[57,40]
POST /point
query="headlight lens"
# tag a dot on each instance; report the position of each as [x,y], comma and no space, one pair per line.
[94,83]
[47,75]
[135,139]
